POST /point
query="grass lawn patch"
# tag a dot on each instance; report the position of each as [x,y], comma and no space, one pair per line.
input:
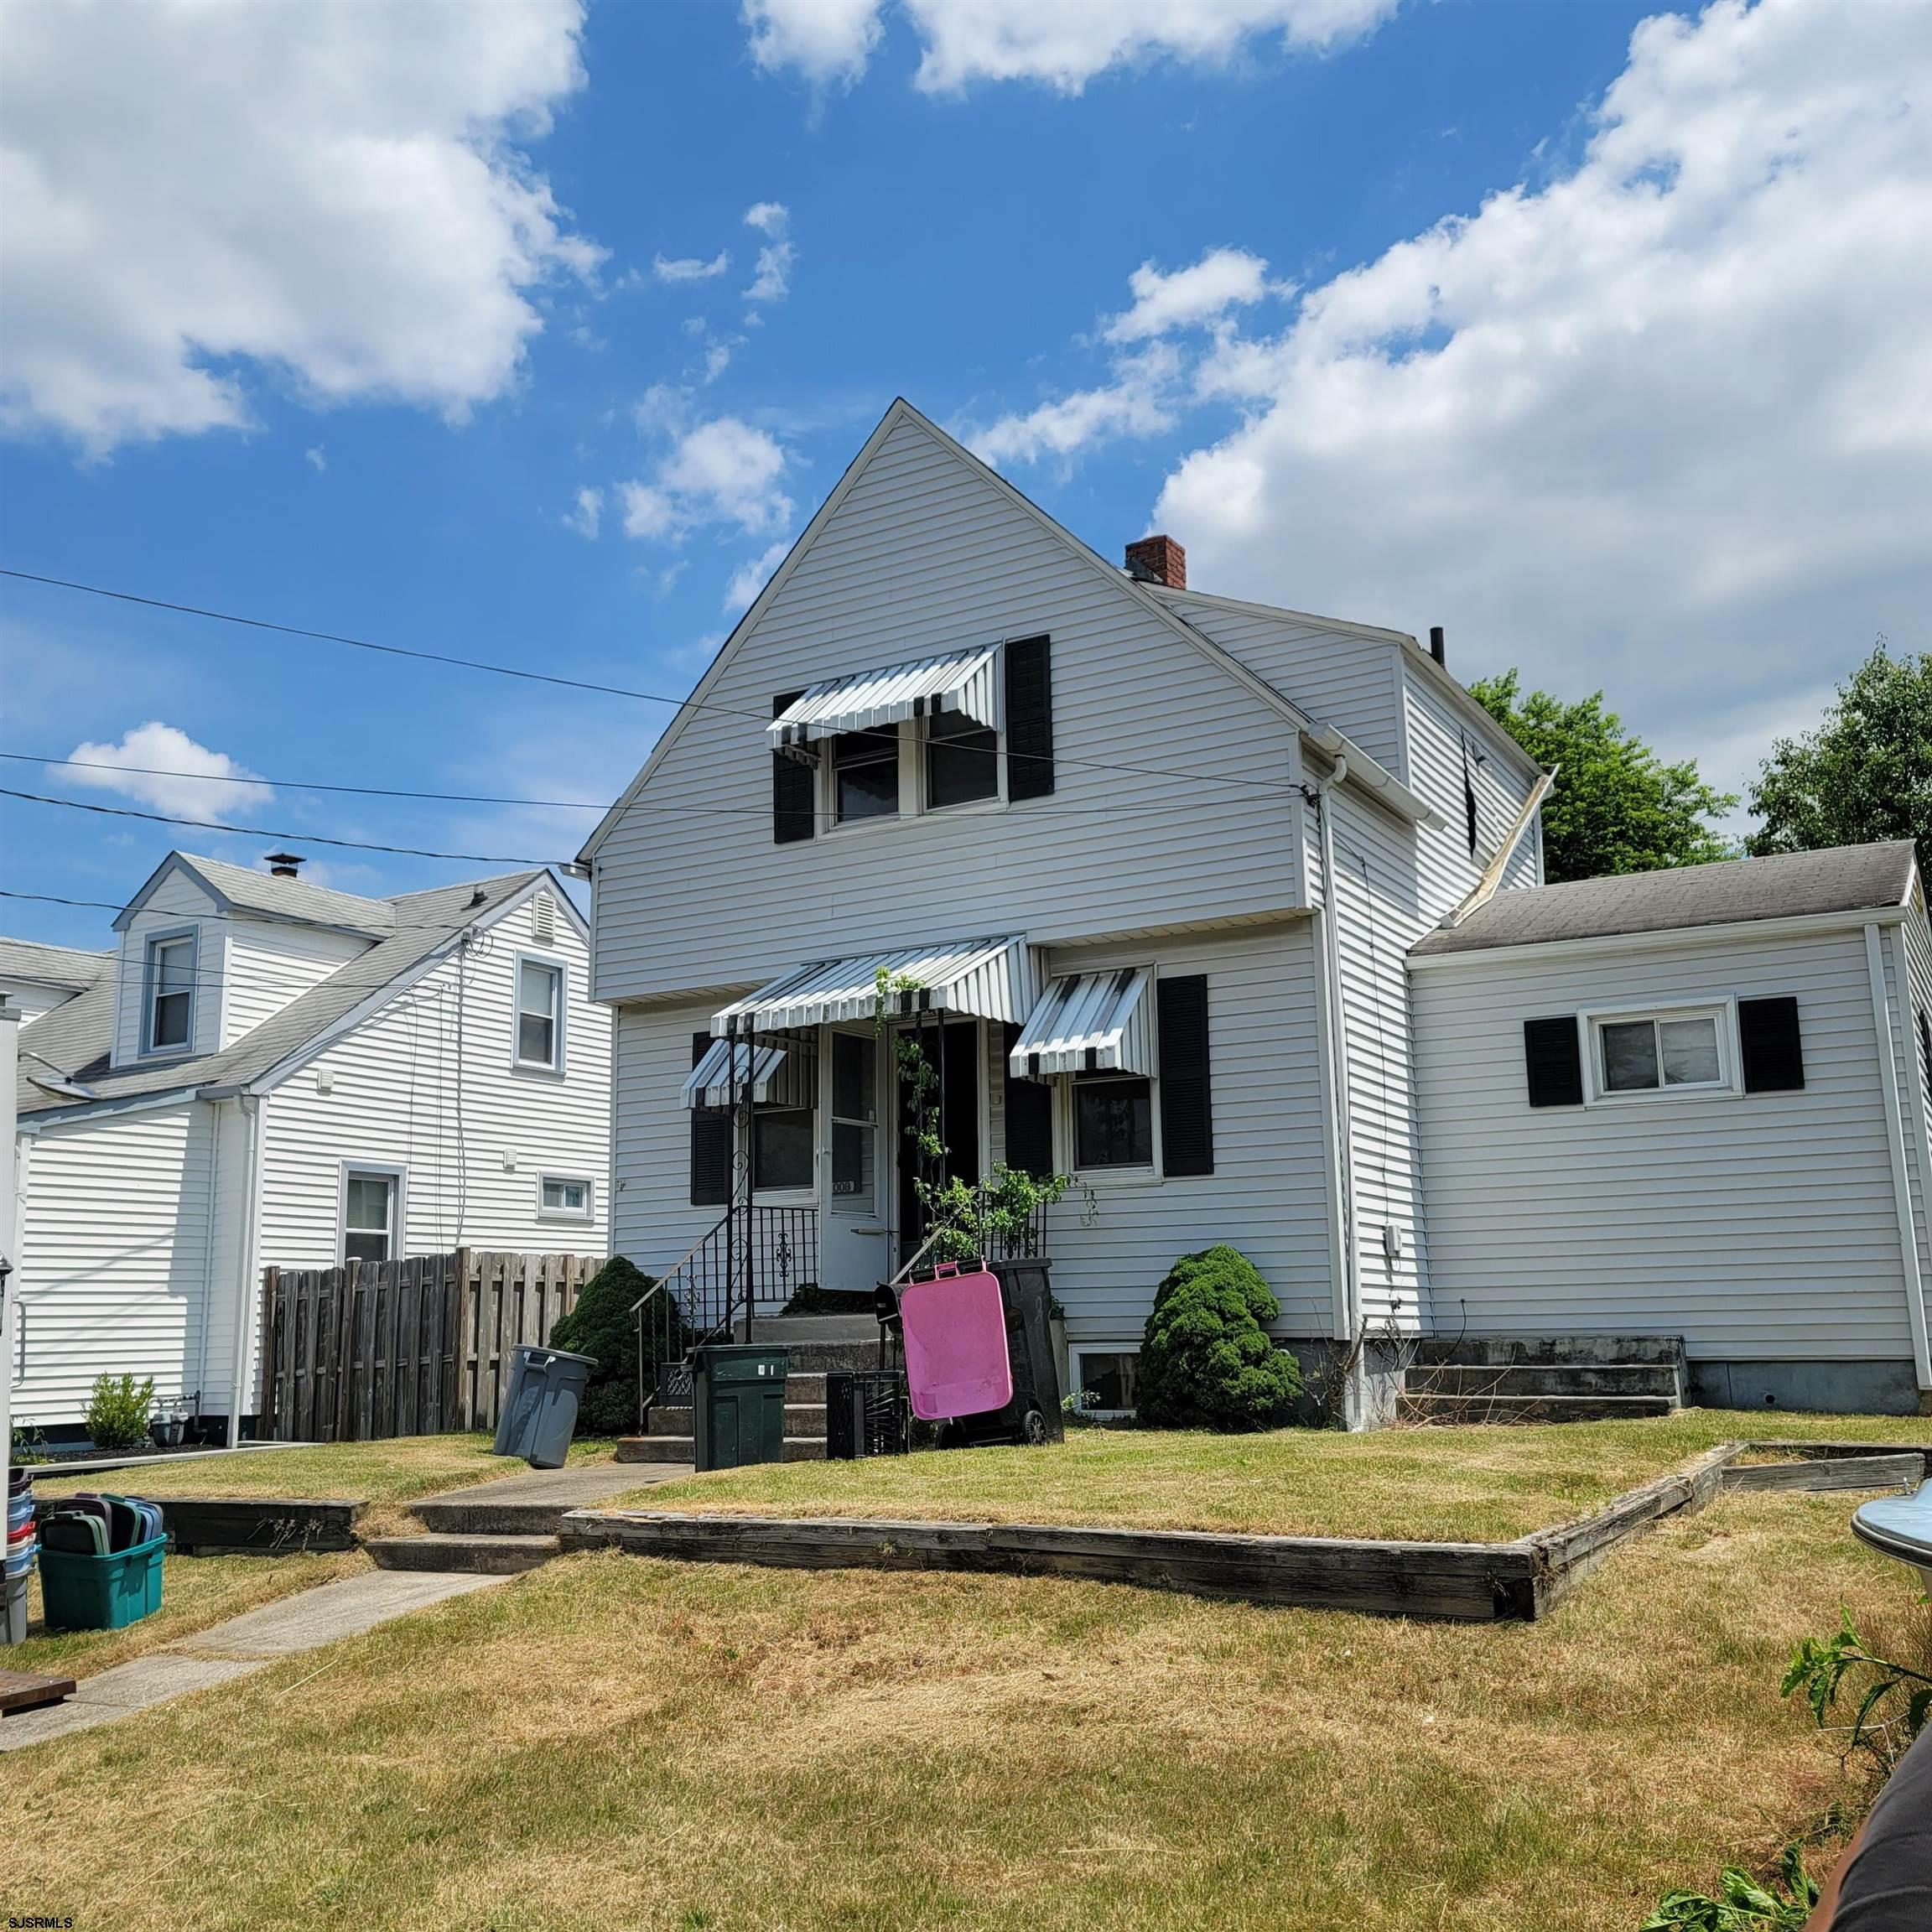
[613,1741]
[1487,1485]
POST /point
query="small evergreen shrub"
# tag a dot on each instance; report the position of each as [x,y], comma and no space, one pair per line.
[1206,1360]
[117,1415]
[601,1325]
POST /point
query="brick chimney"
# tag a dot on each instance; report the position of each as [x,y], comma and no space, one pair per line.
[1158,560]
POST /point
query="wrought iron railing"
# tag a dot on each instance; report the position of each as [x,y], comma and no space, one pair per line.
[990,1232]
[753,1261]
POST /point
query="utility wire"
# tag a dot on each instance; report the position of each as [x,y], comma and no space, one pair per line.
[1281,788]
[50,899]
[259,832]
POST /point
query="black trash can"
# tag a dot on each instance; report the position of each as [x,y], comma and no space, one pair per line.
[866,1413]
[738,1403]
[1033,1415]
[539,1414]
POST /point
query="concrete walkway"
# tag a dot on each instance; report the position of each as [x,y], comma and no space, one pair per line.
[238,1648]
[533,1502]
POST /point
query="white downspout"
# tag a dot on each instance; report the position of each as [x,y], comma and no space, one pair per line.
[217,1109]
[1339,1033]
[246,1266]
[9,1218]
[1901,1179]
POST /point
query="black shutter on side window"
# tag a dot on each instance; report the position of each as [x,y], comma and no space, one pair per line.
[710,1144]
[1925,1047]
[1029,719]
[792,785]
[1186,1106]
[1554,1062]
[1773,1050]
[1029,1121]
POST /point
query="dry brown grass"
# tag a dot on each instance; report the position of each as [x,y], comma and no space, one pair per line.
[1428,1485]
[617,1741]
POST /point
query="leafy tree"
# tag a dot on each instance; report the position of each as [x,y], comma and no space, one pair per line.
[1617,807]
[1206,1360]
[1865,773]
[601,1325]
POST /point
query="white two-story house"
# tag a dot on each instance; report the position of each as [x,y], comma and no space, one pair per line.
[267,1072]
[1146,867]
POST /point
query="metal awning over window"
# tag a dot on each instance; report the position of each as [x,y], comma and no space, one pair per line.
[964,681]
[982,979]
[1092,1023]
[710,1082]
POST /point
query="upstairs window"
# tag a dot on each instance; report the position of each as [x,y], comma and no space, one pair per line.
[865,774]
[170,1015]
[1642,1055]
[962,761]
[539,1013]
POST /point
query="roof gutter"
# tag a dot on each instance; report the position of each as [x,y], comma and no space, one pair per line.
[1352,762]
[93,1110]
[1492,872]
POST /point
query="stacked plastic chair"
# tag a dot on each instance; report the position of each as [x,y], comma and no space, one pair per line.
[101,1562]
[21,1543]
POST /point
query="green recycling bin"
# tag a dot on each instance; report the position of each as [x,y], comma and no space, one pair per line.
[738,1403]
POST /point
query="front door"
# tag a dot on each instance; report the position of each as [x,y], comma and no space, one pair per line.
[955,1052]
[853,1232]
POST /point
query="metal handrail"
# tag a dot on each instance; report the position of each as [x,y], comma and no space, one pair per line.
[678,1268]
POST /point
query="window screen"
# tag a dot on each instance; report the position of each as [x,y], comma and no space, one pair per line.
[538,989]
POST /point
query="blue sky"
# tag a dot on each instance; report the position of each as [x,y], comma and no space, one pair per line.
[526,334]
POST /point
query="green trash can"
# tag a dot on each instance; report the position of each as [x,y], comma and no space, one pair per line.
[738,1403]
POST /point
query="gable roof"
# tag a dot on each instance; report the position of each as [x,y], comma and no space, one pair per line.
[74,1041]
[263,895]
[1381,784]
[1735,891]
[65,968]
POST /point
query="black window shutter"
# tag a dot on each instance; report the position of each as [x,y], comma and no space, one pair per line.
[1925,1046]
[1029,719]
[792,785]
[1186,1106]
[1773,1050]
[1554,1061]
[1029,1122]
[710,1144]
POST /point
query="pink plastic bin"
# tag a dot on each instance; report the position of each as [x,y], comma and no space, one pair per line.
[955,1333]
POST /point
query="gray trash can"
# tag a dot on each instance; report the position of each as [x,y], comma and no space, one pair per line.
[539,1414]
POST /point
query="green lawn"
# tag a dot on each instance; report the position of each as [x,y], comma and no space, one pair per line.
[610,1741]
[1428,1485]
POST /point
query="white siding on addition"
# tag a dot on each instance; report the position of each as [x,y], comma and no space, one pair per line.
[270,963]
[113,1244]
[926,552]
[1762,1227]
[427,1086]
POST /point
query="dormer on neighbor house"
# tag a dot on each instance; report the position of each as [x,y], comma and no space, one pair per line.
[209,950]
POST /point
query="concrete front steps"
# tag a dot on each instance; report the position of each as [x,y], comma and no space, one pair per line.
[498,1529]
[1544,1378]
[815,1343]
[493,1555]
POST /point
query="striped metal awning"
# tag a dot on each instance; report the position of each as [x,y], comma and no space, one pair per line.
[982,979]
[709,1084]
[963,681]
[1092,1023]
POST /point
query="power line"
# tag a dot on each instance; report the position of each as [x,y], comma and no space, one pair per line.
[259,832]
[50,899]
[1281,788]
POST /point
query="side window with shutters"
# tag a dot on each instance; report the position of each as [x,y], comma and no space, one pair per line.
[1186,1099]
[1553,1061]
[711,1139]
[794,781]
[1029,718]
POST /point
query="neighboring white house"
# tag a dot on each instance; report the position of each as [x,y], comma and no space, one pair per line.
[1158,860]
[35,979]
[272,1073]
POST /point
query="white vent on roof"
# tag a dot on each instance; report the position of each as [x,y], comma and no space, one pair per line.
[543,920]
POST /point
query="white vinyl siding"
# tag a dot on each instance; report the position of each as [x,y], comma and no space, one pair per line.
[924,555]
[176,905]
[1761,1227]
[270,965]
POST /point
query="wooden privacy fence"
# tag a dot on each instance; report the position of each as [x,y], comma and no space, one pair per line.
[404,1347]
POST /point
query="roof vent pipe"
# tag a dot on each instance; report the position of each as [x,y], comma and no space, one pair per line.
[1436,649]
[283,865]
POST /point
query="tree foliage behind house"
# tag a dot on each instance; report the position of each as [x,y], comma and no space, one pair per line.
[1865,773]
[1206,1360]
[1617,807]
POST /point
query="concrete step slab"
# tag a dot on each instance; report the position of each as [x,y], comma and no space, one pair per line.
[801,1418]
[682,1449]
[532,1503]
[488,1556]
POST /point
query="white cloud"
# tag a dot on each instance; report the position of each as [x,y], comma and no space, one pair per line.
[721,472]
[317,459]
[1063,44]
[825,40]
[199,198]
[773,279]
[1140,401]
[1223,278]
[748,579]
[690,268]
[146,762]
[586,513]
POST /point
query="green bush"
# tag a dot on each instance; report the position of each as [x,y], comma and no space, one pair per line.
[601,1325]
[117,1415]
[1206,1360]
